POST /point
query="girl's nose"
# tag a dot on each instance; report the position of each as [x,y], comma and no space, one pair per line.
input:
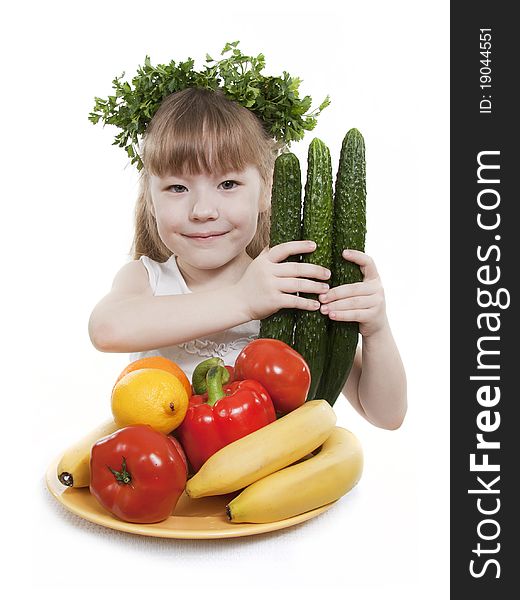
[204,209]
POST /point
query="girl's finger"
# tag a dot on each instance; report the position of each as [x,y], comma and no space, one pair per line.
[299,302]
[294,269]
[358,302]
[367,264]
[348,290]
[282,251]
[359,315]
[292,285]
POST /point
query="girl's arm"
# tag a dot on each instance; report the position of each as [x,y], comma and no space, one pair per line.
[376,385]
[131,319]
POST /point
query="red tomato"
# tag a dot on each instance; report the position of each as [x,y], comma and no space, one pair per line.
[138,474]
[280,369]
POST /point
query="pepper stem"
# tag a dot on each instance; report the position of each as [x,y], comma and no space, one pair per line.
[214,380]
[198,379]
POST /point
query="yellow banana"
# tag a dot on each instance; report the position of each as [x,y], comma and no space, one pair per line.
[264,451]
[325,477]
[74,466]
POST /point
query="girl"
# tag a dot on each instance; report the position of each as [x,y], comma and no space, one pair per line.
[203,274]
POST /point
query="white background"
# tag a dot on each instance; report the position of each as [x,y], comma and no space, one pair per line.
[69,196]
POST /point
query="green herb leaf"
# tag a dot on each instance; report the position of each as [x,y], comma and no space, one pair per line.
[274,100]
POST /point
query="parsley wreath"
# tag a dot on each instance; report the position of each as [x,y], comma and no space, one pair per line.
[274,100]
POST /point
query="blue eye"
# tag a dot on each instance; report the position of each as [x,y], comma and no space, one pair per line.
[229,184]
[175,187]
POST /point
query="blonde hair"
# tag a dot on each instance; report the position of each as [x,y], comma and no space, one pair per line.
[195,131]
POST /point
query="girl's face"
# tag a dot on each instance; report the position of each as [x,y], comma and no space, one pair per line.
[207,220]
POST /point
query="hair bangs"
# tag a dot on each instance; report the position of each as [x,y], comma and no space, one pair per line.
[205,136]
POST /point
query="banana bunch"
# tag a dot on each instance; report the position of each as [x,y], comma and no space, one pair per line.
[324,478]
[74,467]
[274,465]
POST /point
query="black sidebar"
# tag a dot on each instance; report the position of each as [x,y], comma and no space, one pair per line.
[485,333]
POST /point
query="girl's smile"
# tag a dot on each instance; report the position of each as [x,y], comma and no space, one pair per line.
[206,236]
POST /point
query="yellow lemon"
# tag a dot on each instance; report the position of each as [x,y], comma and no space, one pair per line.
[152,397]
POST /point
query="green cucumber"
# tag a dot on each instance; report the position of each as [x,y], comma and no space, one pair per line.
[286,199]
[310,336]
[349,230]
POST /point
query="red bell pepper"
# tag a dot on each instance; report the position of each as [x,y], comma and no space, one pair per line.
[223,414]
[279,368]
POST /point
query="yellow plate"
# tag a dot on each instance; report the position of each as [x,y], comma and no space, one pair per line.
[204,518]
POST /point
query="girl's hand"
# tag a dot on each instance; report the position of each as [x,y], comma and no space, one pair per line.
[363,302]
[269,284]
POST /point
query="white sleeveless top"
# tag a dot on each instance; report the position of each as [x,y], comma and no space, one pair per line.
[166,279]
